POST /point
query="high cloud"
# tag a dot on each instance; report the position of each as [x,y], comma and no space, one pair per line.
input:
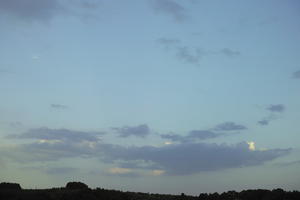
[138,131]
[45,10]
[192,136]
[65,135]
[192,55]
[263,122]
[31,9]
[195,135]
[58,106]
[296,74]
[230,126]
[276,108]
[172,8]
[229,52]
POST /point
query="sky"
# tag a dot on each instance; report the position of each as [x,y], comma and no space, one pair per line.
[157,96]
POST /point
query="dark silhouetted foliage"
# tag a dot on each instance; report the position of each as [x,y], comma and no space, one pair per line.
[76,186]
[80,191]
[10,186]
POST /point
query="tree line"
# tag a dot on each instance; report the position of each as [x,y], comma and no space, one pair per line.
[80,191]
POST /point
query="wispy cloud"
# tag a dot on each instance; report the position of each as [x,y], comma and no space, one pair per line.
[224,129]
[59,106]
[296,74]
[229,126]
[47,135]
[229,52]
[168,42]
[171,8]
[189,56]
[275,111]
[276,108]
[138,131]
[192,55]
[263,122]
[46,10]
[31,9]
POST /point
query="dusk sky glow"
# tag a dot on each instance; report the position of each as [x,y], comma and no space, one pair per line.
[160,96]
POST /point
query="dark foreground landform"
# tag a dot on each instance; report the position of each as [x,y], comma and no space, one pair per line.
[80,191]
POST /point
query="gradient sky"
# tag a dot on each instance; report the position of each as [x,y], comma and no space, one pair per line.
[156,96]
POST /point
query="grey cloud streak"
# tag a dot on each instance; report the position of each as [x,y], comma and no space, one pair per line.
[296,74]
[275,111]
[229,126]
[194,135]
[276,108]
[168,7]
[67,135]
[192,55]
[31,9]
[45,10]
[138,131]
[59,106]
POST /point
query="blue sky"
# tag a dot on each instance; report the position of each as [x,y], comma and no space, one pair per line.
[150,95]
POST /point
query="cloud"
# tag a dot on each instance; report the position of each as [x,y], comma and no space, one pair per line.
[118,170]
[138,131]
[184,53]
[296,74]
[168,42]
[45,10]
[157,172]
[59,106]
[229,52]
[195,135]
[47,135]
[122,172]
[89,4]
[59,170]
[16,124]
[171,8]
[191,158]
[183,158]
[52,170]
[192,136]
[284,164]
[230,126]
[192,55]
[263,122]
[276,108]
[31,9]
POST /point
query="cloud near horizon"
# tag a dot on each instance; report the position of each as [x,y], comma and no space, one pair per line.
[191,158]
[57,144]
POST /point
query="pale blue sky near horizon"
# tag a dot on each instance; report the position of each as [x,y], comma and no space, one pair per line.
[150,95]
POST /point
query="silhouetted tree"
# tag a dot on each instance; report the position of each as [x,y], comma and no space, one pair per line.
[76,186]
[10,186]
